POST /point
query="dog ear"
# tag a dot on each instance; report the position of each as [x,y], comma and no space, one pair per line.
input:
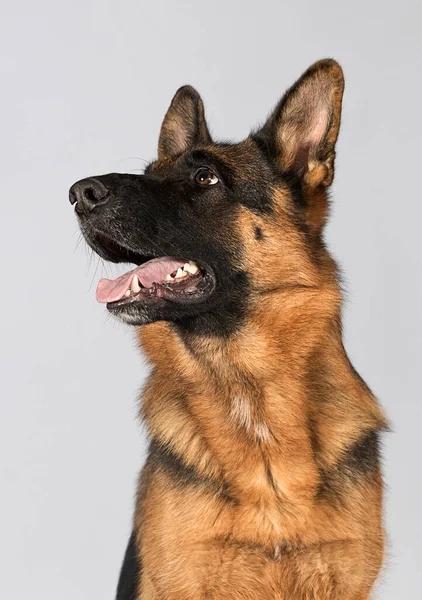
[302,131]
[184,125]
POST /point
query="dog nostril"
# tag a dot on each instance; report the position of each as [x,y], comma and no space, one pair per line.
[90,195]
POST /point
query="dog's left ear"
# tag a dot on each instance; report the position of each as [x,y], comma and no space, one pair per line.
[302,131]
[184,125]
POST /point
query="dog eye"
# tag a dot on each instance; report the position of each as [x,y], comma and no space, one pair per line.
[206,177]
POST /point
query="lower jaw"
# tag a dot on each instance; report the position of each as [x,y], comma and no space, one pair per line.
[139,313]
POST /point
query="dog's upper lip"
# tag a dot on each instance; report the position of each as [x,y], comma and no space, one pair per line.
[112,250]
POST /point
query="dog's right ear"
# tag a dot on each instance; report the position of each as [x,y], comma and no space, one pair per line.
[184,125]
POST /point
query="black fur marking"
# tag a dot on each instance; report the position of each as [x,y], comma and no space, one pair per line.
[130,573]
[361,459]
[295,187]
[265,142]
[226,313]
[258,234]
[182,475]
[255,196]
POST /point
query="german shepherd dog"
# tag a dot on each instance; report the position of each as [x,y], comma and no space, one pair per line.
[263,476]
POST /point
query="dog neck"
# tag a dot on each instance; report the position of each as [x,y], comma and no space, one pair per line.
[265,412]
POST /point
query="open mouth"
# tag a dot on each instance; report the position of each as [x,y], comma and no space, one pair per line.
[163,278]
[167,278]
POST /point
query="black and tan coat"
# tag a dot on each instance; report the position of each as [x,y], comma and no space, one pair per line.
[263,478]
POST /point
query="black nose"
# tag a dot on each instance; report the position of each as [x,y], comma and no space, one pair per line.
[86,194]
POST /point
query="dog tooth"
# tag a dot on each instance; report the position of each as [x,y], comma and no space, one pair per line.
[179,273]
[187,267]
[168,277]
[191,267]
[127,294]
[135,287]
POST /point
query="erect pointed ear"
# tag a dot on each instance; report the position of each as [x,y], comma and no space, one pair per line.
[184,125]
[302,131]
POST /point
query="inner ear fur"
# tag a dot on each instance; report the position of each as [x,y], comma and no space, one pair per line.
[184,125]
[302,131]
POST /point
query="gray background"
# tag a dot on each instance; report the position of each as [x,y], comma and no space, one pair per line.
[84,87]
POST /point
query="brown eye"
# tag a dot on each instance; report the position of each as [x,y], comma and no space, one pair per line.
[206,177]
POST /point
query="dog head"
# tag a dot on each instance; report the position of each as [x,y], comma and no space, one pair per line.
[211,227]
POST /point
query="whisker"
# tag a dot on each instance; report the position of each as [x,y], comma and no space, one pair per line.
[133,158]
[95,273]
[90,253]
[78,243]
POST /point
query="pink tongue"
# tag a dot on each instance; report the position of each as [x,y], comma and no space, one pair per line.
[155,270]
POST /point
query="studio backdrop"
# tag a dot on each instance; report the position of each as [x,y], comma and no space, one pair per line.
[85,85]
